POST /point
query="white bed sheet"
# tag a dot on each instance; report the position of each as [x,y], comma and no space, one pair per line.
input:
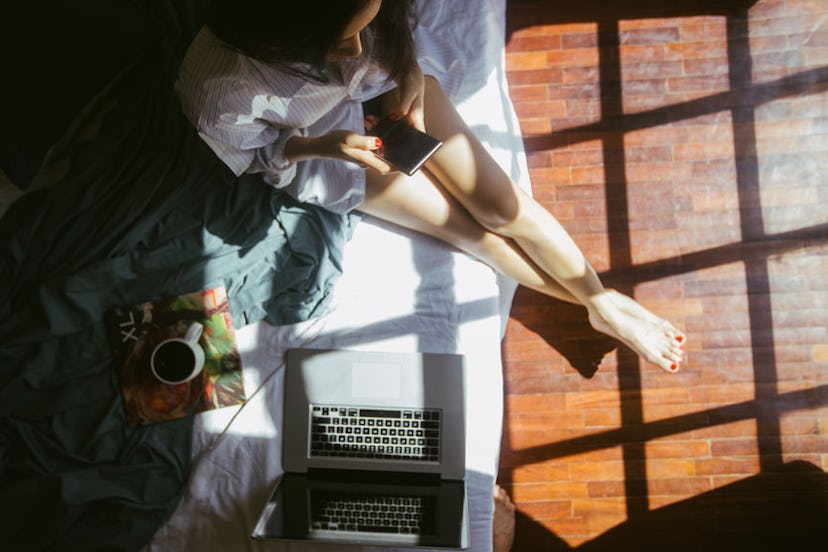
[400,291]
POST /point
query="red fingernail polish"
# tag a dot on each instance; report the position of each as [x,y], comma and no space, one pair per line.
[674,367]
[377,143]
[679,339]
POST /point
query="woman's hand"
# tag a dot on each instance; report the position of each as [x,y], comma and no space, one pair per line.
[406,101]
[338,144]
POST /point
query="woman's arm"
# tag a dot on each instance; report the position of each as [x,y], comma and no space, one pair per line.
[338,144]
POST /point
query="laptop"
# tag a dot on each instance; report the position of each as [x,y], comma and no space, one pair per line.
[373,451]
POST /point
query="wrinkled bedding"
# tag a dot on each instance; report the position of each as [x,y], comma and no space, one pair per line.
[140,209]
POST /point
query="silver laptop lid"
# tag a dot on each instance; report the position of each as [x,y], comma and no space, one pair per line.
[398,412]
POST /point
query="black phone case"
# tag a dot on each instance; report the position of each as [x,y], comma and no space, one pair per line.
[404,147]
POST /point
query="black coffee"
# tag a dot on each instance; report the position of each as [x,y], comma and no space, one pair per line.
[174,361]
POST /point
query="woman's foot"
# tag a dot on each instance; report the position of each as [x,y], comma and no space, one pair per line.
[503,523]
[649,336]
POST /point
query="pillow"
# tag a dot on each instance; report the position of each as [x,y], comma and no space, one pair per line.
[56,56]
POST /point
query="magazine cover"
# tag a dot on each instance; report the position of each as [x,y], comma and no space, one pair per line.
[137,333]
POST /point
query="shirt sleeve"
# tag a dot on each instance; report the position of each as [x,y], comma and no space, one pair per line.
[271,159]
[244,131]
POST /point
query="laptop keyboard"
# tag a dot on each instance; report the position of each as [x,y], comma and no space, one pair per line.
[386,434]
[407,515]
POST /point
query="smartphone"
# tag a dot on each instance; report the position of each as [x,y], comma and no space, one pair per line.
[404,147]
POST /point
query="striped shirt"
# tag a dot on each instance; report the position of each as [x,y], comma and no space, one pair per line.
[246,111]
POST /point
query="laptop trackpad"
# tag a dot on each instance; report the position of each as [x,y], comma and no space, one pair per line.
[376,380]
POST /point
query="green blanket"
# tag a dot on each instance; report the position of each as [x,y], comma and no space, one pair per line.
[145,210]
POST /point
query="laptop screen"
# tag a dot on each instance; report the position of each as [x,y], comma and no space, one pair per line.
[345,508]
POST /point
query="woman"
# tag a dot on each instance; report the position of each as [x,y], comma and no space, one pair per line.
[278,87]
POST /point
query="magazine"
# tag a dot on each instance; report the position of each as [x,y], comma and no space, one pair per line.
[136,331]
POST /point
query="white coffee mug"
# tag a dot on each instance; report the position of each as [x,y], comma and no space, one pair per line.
[179,359]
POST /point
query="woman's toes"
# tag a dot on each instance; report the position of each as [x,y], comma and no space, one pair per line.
[673,367]
[669,362]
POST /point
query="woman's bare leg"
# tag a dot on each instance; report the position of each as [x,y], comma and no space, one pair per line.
[418,204]
[471,175]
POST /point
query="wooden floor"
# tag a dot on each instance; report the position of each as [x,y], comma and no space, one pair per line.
[684,144]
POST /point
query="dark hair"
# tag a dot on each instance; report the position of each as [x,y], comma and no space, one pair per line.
[299,35]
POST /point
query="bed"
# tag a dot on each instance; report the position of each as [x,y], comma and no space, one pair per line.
[311,279]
